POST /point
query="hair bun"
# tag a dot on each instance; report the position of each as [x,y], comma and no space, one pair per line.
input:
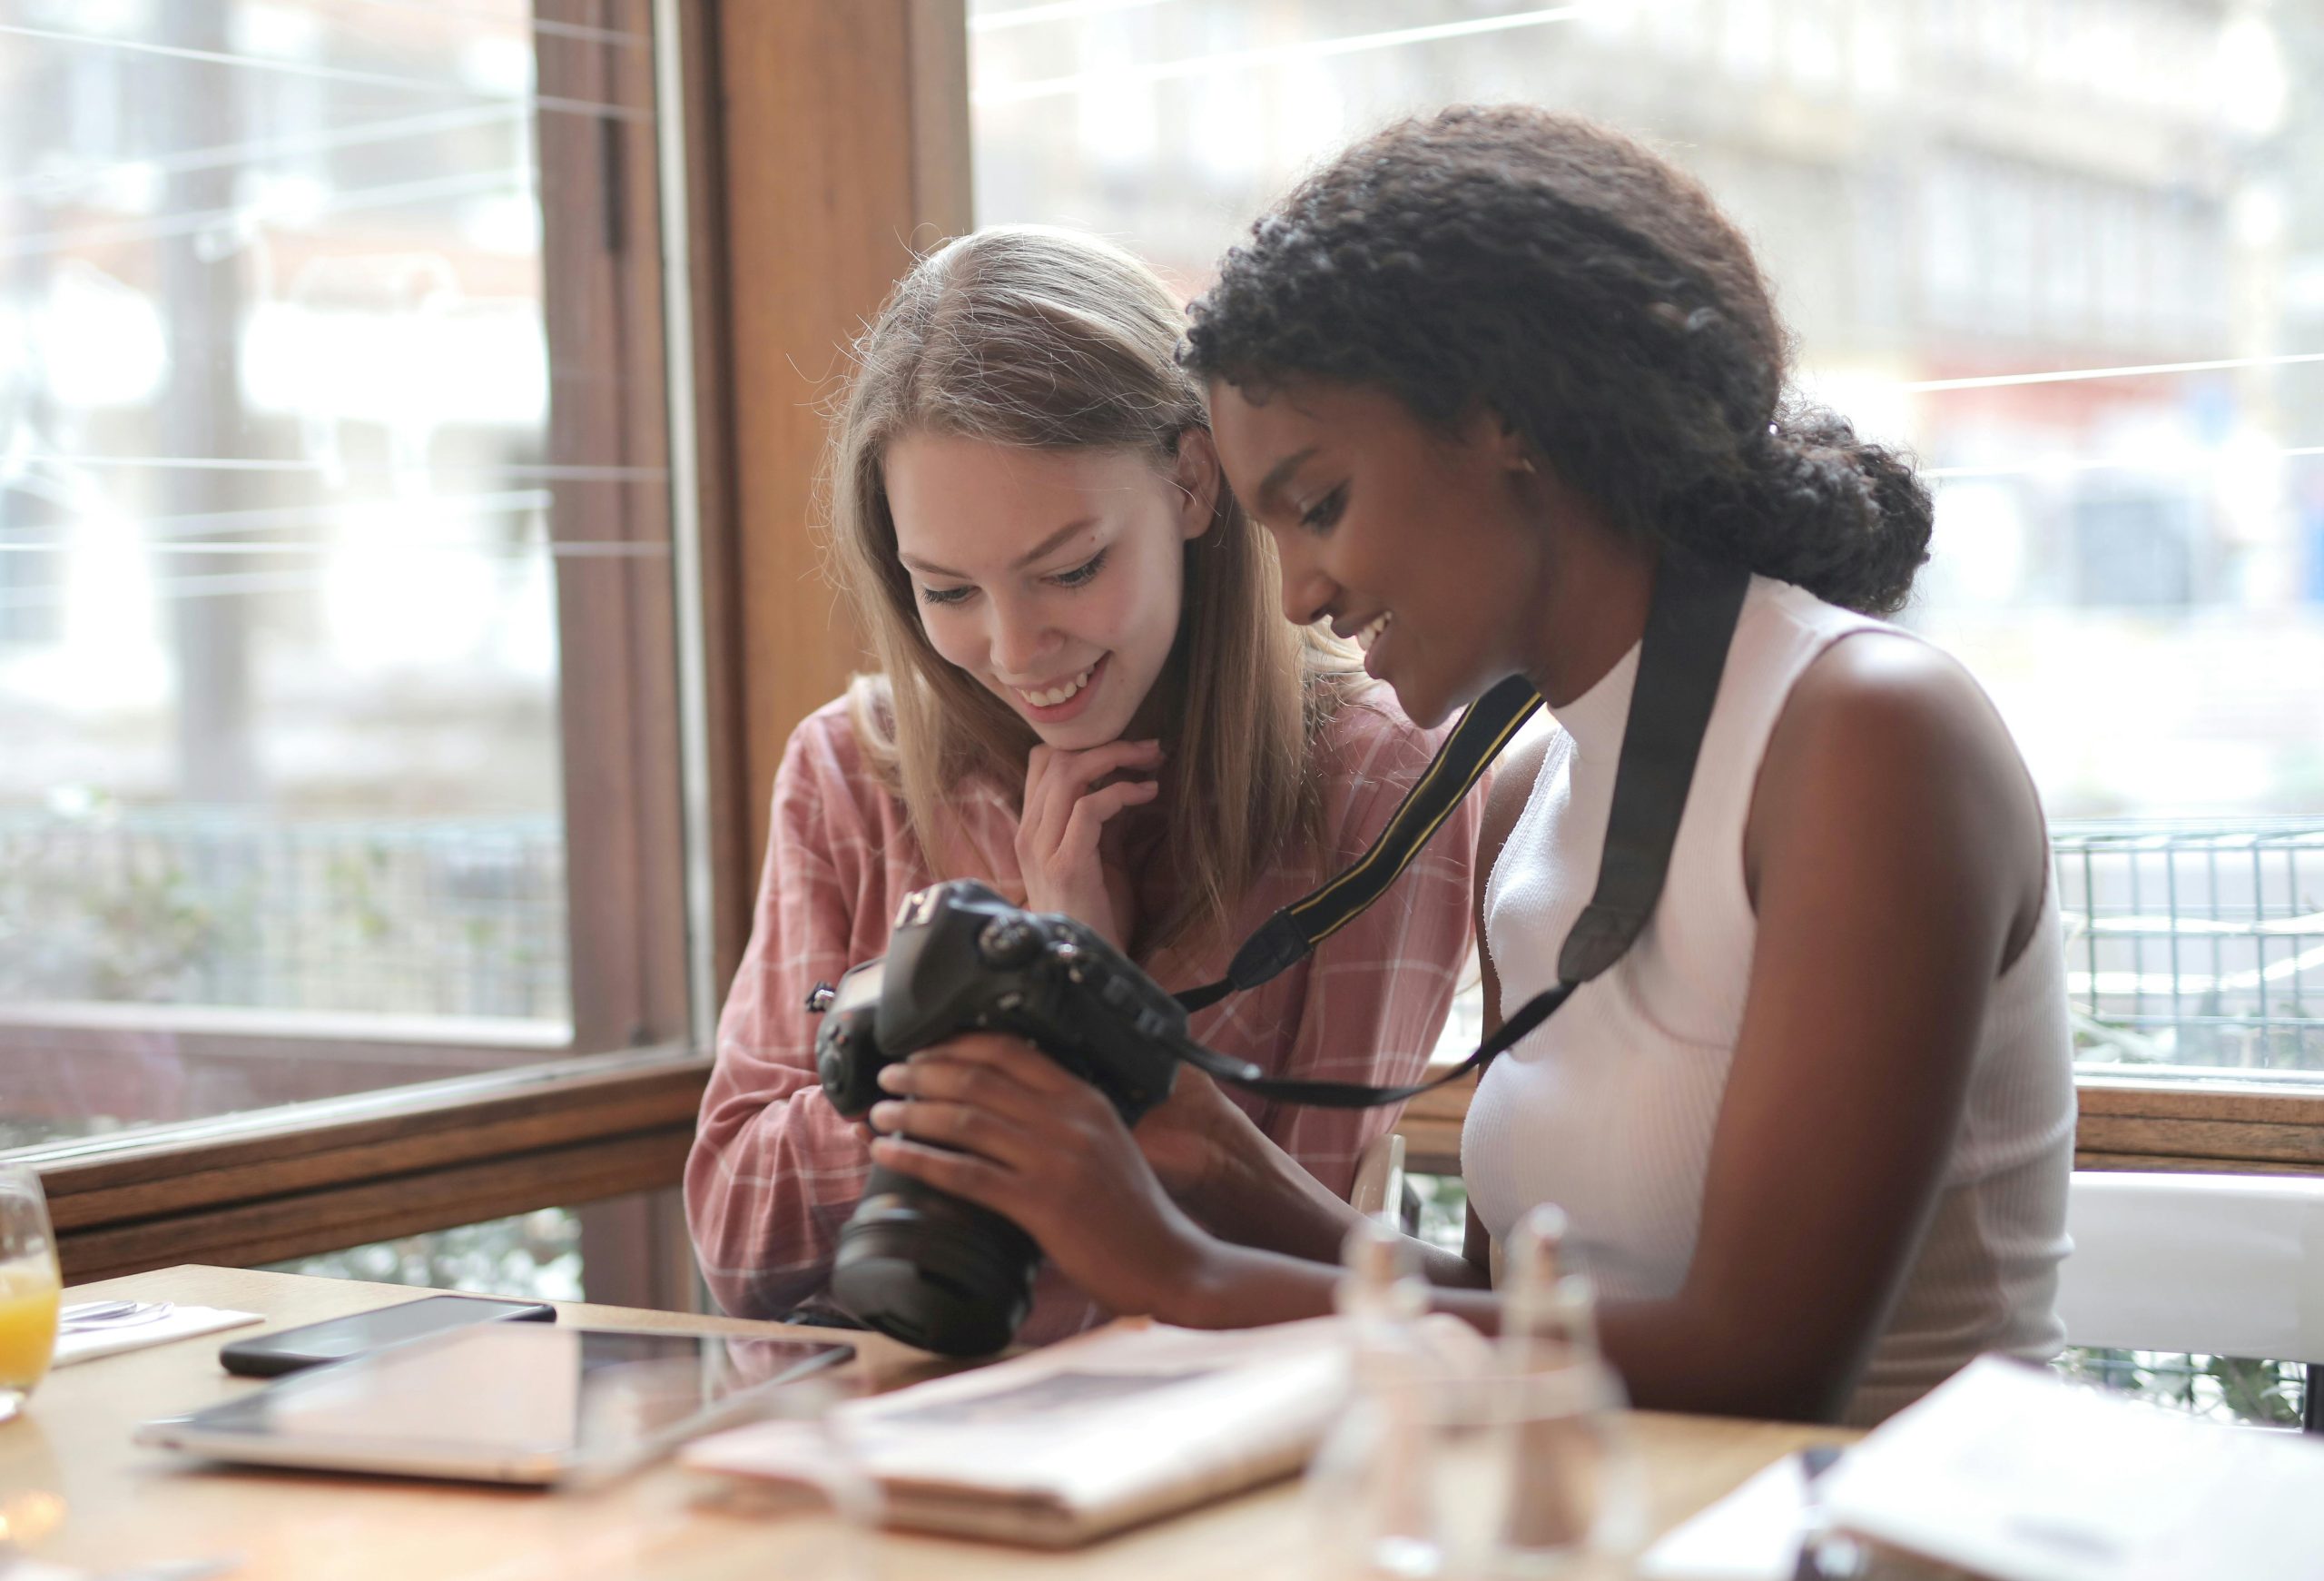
[1831,511]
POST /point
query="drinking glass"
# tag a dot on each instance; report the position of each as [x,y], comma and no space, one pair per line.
[29,1285]
[1476,1477]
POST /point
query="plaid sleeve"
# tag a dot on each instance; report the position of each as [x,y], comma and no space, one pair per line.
[775,1171]
[1378,991]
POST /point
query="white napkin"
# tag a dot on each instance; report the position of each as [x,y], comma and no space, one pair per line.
[2007,1470]
[183,1323]
[1751,1535]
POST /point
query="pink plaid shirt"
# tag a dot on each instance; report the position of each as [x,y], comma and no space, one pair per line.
[774,1172]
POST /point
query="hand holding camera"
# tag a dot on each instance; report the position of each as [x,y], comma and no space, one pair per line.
[1192,1138]
[924,1257]
[1020,1152]
[1002,1126]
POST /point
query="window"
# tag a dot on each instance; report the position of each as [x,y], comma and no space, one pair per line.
[534,1256]
[337,666]
[2072,259]
[629,1250]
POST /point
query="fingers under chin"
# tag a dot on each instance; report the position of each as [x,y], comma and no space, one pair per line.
[1086,768]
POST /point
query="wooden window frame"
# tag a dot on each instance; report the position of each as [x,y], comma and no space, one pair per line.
[603,310]
[2238,1128]
[317,1177]
[821,143]
[824,143]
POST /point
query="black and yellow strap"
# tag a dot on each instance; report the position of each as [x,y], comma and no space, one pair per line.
[1288,935]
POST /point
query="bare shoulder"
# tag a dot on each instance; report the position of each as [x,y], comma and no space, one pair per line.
[1886,738]
[1897,699]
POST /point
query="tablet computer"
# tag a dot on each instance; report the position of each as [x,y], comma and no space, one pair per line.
[502,1402]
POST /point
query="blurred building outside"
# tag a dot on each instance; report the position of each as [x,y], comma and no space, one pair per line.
[279,644]
[280,668]
[279,628]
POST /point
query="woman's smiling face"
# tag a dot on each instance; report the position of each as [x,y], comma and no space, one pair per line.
[1414,541]
[1054,578]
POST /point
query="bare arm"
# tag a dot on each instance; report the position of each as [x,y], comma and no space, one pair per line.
[1374,1003]
[1250,1283]
[1896,857]
[1258,1240]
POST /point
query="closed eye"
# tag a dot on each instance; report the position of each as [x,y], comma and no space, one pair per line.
[1082,574]
[945,595]
[1320,516]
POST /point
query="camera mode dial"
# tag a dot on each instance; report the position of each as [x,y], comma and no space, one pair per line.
[1007,942]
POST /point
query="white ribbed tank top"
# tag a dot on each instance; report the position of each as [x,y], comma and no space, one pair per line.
[1608,1108]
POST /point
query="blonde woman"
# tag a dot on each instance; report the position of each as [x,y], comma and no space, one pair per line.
[1087,698]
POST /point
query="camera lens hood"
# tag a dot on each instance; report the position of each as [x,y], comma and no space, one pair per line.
[926,1268]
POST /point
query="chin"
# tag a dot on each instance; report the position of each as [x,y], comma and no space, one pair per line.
[1428,702]
[1427,709]
[1080,735]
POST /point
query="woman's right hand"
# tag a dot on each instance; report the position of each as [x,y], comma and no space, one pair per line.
[1061,846]
[992,1119]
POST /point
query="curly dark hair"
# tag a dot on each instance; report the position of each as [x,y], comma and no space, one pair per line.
[1596,299]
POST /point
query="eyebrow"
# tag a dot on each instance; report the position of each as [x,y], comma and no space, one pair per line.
[1047,545]
[1282,472]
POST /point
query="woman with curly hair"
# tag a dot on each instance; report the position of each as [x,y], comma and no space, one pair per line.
[1484,377]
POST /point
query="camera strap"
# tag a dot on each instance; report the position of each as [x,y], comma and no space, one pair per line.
[1285,939]
[1690,625]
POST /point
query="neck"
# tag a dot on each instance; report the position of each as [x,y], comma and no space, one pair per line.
[1164,704]
[1595,612]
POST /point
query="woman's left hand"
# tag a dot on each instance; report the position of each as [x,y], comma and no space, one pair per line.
[1045,1150]
[1195,1139]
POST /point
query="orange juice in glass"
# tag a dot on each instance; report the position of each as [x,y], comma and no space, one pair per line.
[28,1288]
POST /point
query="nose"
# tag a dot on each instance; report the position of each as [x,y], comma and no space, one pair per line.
[1307,592]
[1020,640]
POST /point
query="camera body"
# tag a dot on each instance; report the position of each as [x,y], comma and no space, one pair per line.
[919,1263]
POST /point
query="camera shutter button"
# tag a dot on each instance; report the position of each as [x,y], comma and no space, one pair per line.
[1007,942]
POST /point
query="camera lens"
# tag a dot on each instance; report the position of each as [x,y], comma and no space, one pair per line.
[926,1268]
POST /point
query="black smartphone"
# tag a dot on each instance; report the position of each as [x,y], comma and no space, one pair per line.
[312,1344]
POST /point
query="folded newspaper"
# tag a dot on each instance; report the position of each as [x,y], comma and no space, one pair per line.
[1065,1444]
[2009,1472]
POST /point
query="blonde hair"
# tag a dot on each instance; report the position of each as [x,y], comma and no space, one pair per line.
[1054,340]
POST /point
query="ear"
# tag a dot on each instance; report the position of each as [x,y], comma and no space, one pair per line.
[1199,479]
[1495,437]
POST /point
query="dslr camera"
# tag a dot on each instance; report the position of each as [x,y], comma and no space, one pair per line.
[919,1263]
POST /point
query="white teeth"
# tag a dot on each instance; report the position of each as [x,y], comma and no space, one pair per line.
[1055,695]
[1370,634]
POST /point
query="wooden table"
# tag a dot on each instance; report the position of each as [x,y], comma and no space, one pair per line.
[122,1504]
